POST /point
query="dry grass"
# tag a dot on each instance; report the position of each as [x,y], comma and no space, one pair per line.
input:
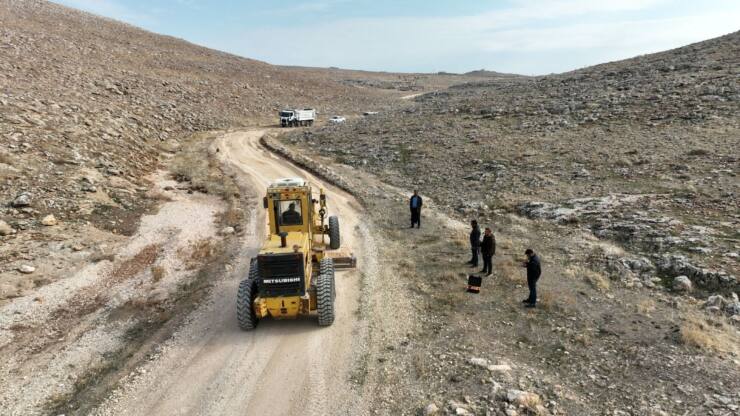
[194,163]
[511,270]
[6,158]
[449,276]
[646,306]
[710,335]
[595,279]
[451,298]
[504,243]
[158,273]
[460,239]
[557,302]
[100,256]
[532,402]
[156,195]
[234,215]
[136,264]
[583,339]
[197,253]
[420,363]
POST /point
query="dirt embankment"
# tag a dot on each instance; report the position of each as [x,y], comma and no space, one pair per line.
[105,297]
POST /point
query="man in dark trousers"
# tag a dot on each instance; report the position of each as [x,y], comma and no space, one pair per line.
[533,274]
[415,205]
[487,250]
[474,243]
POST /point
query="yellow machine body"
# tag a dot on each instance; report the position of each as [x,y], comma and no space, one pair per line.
[303,238]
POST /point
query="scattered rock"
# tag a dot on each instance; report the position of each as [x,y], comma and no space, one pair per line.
[227,231]
[26,269]
[682,284]
[431,409]
[480,362]
[502,368]
[49,220]
[22,200]
[523,398]
[5,228]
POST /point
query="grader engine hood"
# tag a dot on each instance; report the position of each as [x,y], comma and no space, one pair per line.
[281,274]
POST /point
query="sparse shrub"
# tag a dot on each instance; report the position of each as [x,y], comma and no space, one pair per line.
[6,158]
[156,195]
[449,276]
[99,256]
[460,239]
[158,272]
[504,243]
[511,270]
[709,336]
[698,152]
[595,279]
[583,339]
[197,253]
[562,302]
[646,306]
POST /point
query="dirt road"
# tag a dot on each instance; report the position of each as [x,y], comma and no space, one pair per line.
[210,367]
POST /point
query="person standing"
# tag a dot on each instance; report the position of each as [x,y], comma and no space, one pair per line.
[487,250]
[474,243]
[415,206]
[533,274]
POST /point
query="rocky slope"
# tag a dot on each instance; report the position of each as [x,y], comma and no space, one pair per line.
[90,106]
[641,152]
[623,177]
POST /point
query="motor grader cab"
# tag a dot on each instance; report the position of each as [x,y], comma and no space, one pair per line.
[293,274]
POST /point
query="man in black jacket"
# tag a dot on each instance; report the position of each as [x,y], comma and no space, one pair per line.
[488,249]
[474,243]
[533,274]
[415,206]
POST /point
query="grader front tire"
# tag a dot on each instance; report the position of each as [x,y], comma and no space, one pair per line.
[334,240]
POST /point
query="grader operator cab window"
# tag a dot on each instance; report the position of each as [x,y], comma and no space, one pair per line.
[290,212]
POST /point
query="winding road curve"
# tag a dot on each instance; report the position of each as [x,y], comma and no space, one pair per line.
[210,367]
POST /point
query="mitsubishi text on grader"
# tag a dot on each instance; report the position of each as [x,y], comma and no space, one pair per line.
[293,274]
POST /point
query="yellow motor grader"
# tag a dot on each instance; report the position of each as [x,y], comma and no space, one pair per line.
[293,274]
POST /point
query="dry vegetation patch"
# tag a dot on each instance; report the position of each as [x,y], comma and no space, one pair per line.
[710,334]
[594,278]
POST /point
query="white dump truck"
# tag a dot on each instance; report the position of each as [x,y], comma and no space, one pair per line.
[297,117]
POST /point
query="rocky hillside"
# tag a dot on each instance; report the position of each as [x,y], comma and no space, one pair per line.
[81,92]
[641,152]
[622,177]
[88,107]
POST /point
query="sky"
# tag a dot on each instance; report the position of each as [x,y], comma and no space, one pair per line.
[530,37]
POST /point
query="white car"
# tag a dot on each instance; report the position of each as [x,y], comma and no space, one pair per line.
[337,119]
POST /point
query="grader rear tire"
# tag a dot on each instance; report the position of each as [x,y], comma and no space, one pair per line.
[245,299]
[334,240]
[325,299]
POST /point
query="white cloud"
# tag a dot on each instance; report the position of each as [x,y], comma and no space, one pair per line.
[530,29]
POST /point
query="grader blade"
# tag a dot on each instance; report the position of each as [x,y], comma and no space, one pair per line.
[342,259]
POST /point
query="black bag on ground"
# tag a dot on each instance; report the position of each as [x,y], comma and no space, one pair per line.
[474,283]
